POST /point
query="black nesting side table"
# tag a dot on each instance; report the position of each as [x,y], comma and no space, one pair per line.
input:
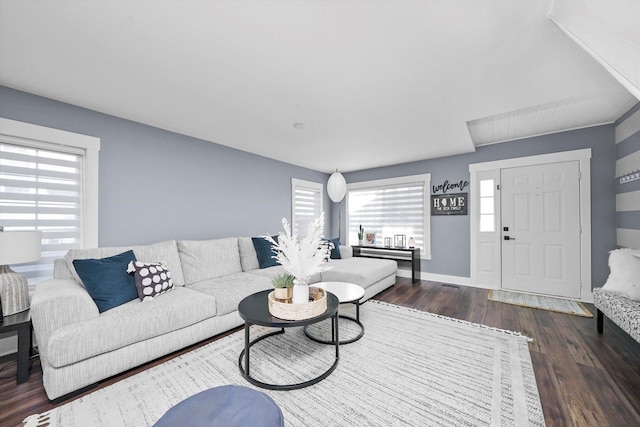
[347,293]
[20,323]
[254,309]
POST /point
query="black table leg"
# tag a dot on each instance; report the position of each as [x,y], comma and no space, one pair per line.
[24,350]
[336,339]
[335,325]
[334,322]
[245,370]
[600,317]
[246,348]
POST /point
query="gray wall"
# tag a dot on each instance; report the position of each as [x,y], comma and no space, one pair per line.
[450,235]
[157,185]
[627,151]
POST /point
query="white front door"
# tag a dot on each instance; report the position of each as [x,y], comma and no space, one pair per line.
[541,229]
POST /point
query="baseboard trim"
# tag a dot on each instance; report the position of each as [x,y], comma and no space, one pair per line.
[454,280]
[466,281]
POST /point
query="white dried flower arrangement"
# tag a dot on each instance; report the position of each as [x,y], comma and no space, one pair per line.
[302,258]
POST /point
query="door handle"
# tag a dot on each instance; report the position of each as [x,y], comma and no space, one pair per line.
[509,238]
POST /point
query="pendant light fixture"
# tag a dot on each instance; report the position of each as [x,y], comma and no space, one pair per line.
[336,187]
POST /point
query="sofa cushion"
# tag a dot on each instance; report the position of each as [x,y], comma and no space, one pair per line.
[248,256]
[230,290]
[208,259]
[127,324]
[346,252]
[107,280]
[264,251]
[361,271]
[272,272]
[151,279]
[61,270]
[166,251]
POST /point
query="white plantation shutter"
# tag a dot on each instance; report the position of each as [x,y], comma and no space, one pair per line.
[41,189]
[306,204]
[389,207]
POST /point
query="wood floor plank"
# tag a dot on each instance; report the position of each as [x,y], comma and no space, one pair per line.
[605,389]
[529,327]
[555,412]
[493,315]
[618,358]
[477,305]
[584,379]
[573,387]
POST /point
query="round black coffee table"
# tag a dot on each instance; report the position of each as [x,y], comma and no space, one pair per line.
[254,309]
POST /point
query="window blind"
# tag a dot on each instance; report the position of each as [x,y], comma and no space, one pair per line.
[307,205]
[41,189]
[388,210]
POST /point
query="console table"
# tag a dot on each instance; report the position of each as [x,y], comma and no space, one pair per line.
[398,254]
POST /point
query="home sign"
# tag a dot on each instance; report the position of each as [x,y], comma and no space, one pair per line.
[449,204]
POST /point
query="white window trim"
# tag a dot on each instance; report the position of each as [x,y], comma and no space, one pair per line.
[27,134]
[295,182]
[425,253]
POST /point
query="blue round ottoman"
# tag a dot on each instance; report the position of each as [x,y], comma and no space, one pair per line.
[229,406]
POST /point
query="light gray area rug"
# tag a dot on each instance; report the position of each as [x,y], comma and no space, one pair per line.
[411,368]
[542,302]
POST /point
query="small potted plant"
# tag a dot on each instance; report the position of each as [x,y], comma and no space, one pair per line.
[360,235]
[283,284]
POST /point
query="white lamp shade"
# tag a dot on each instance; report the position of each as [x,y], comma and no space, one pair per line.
[17,247]
[336,187]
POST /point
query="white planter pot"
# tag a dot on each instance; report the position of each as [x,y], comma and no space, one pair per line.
[300,293]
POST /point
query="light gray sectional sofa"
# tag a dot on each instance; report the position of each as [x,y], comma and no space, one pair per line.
[79,346]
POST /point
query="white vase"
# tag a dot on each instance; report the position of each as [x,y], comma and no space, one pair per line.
[300,292]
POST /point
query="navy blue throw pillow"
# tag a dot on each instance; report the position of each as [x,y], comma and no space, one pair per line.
[335,251]
[107,280]
[265,252]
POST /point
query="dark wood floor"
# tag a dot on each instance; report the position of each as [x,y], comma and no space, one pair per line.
[584,379]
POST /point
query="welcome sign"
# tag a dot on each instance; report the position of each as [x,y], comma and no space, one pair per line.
[449,204]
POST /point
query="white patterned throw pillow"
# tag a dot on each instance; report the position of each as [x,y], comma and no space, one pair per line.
[151,278]
[327,246]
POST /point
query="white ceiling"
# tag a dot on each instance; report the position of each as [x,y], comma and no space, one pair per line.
[374,83]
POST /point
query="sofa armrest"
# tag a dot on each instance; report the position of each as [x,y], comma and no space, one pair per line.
[57,303]
[346,252]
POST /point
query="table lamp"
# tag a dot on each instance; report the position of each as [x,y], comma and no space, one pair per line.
[16,247]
